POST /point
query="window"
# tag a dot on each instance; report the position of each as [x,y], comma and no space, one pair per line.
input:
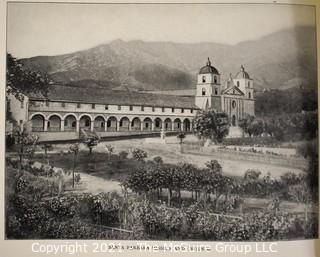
[157,123]
[119,107]
[21,121]
[65,122]
[106,107]
[215,80]
[238,84]
[142,108]
[87,123]
[203,79]
[74,124]
[249,95]
[234,104]
[48,124]
[93,106]
[63,104]
[178,125]
[131,107]
[191,110]
[162,109]
[147,125]
[172,109]
[109,123]
[182,110]
[78,105]
[216,91]
[120,123]
[203,91]
[153,108]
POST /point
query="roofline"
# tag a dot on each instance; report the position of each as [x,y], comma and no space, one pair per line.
[146,105]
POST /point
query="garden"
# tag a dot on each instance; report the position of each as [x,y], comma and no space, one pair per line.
[159,201]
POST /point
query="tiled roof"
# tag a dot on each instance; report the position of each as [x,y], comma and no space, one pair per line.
[208,69]
[103,96]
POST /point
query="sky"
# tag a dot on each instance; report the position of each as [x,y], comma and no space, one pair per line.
[54,28]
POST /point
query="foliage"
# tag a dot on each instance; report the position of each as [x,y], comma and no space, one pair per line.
[91,141]
[158,160]
[275,102]
[139,154]
[25,141]
[181,136]
[123,155]
[211,125]
[110,149]
[21,80]
[282,127]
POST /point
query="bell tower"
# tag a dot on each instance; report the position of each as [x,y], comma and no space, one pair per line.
[208,91]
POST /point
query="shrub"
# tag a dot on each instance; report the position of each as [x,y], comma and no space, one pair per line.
[77,178]
[139,154]
[158,160]
[123,155]
[252,174]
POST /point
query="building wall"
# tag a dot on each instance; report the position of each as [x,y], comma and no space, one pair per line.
[64,107]
[18,109]
[54,116]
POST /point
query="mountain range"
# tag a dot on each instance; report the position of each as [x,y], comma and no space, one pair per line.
[281,60]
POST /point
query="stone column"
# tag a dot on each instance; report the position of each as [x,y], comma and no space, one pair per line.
[105,125]
[130,125]
[45,128]
[152,125]
[91,125]
[172,125]
[118,125]
[181,126]
[141,125]
[77,125]
[62,125]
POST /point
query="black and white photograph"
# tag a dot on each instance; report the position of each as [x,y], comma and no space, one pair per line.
[161,121]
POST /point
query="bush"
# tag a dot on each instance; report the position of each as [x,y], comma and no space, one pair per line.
[158,160]
[139,154]
[123,155]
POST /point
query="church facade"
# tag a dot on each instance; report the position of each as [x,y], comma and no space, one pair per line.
[235,97]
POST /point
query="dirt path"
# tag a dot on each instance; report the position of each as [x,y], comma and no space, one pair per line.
[96,185]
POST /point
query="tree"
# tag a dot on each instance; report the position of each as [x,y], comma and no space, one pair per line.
[256,128]
[26,142]
[74,149]
[21,80]
[91,141]
[46,148]
[181,136]
[139,154]
[245,123]
[211,125]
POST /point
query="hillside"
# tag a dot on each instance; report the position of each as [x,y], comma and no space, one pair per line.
[281,60]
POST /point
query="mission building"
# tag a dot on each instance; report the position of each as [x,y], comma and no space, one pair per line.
[66,111]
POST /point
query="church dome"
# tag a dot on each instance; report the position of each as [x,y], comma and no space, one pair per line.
[242,74]
[208,69]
